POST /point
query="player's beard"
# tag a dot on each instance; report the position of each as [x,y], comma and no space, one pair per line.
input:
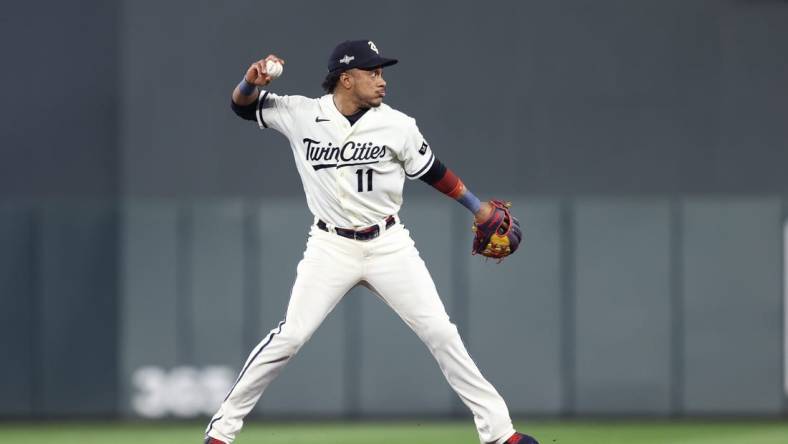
[375,101]
[372,100]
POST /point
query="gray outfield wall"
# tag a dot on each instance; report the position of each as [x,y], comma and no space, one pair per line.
[647,306]
[59,319]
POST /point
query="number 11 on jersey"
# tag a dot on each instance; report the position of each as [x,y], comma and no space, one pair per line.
[360,174]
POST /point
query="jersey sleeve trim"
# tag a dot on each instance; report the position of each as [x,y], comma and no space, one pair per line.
[260,102]
[423,169]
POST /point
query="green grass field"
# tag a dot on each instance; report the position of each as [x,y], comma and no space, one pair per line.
[731,432]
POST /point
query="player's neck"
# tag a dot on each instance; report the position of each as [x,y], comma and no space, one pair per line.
[346,105]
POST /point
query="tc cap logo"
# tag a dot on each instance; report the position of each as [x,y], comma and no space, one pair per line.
[347,59]
[373,47]
[423,149]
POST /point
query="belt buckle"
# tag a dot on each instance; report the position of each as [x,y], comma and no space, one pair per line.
[366,235]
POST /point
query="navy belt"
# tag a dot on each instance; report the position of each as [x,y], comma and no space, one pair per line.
[362,234]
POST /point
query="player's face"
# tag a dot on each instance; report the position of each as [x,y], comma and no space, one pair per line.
[369,88]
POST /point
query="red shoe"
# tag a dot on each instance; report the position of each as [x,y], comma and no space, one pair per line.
[519,438]
[209,440]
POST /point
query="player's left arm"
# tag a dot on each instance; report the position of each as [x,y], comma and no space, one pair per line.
[497,233]
[444,180]
[419,161]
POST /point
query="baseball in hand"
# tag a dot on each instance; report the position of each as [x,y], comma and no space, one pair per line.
[273,69]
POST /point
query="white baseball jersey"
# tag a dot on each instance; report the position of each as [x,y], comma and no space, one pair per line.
[352,174]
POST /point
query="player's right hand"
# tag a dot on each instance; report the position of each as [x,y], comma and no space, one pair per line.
[256,73]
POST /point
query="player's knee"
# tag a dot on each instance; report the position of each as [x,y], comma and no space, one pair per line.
[294,340]
[440,333]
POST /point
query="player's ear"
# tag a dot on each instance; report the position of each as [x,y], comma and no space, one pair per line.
[346,79]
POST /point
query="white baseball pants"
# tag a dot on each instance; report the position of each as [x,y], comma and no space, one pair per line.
[390,266]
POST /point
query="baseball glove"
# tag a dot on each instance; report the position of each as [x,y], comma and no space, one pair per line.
[499,235]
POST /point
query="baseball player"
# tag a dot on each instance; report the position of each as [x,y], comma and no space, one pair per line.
[353,154]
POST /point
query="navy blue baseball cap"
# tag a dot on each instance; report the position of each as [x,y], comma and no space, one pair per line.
[361,54]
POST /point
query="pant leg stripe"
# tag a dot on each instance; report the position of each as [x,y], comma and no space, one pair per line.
[210,426]
[251,361]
